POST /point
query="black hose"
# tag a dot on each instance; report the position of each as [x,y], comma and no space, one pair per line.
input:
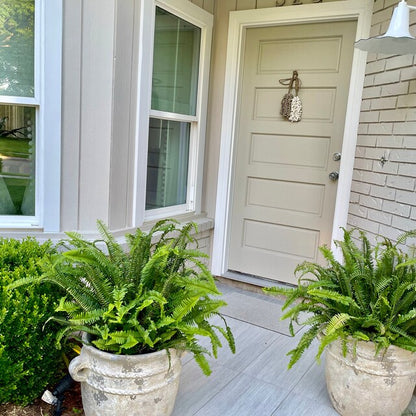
[63,386]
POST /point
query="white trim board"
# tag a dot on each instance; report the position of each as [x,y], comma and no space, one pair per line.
[361,10]
[51,115]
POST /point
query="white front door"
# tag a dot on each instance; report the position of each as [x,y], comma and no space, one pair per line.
[282,205]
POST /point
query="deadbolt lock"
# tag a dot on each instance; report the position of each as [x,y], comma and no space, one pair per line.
[334,176]
[337,157]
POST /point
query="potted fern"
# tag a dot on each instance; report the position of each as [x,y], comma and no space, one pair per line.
[363,312]
[138,310]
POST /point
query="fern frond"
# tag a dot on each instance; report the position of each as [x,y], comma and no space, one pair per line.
[203,363]
[65,306]
[403,334]
[228,335]
[205,286]
[184,308]
[303,344]
[361,336]
[326,340]
[115,252]
[331,295]
[24,282]
[86,318]
[337,322]
[215,341]
[153,270]
[204,309]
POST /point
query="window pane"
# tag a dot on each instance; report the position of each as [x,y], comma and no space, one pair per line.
[17,160]
[167,164]
[17,47]
[175,64]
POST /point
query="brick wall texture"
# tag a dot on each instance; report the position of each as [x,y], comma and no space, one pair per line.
[383,197]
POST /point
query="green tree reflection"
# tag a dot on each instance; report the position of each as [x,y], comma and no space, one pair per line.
[17,18]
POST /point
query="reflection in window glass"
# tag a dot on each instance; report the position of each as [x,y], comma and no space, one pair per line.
[17,160]
[175,64]
[17,47]
[167,165]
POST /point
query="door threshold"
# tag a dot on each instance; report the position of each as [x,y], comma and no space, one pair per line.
[253,280]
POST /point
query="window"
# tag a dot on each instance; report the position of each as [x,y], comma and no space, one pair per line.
[167,163]
[175,122]
[174,94]
[25,108]
[17,122]
[17,160]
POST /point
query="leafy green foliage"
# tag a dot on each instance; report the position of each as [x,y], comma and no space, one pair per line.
[371,296]
[29,360]
[157,295]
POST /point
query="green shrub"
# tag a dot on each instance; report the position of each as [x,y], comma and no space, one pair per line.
[29,359]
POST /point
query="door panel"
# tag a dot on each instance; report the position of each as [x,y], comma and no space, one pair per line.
[323,53]
[283,200]
[318,104]
[303,151]
[300,197]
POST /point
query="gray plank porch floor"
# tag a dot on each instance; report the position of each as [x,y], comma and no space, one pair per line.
[255,381]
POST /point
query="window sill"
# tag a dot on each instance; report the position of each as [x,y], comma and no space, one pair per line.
[203,223]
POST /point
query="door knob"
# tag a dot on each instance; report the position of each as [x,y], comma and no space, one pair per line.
[334,176]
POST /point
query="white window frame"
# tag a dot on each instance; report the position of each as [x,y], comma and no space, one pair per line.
[47,101]
[183,9]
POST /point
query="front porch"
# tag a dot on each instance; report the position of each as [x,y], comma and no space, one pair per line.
[255,381]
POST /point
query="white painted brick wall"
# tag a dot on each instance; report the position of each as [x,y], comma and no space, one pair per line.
[383,192]
[383,197]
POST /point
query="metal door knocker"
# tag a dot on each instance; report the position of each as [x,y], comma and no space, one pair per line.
[291,105]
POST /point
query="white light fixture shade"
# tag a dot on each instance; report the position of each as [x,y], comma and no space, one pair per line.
[399,24]
[397,40]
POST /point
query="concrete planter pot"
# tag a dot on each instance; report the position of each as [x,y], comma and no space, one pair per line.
[127,385]
[363,384]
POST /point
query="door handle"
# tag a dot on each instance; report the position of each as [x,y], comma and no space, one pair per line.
[334,176]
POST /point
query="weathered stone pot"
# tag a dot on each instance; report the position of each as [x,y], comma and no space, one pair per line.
[363,384]
[127,385]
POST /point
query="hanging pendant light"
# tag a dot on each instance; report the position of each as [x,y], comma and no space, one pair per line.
[397,40]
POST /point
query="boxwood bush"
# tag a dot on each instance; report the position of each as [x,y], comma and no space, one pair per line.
[29,359]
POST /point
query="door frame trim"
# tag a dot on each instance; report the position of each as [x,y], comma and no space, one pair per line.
[239,21]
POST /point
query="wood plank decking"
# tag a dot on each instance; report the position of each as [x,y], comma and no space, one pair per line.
[255,381]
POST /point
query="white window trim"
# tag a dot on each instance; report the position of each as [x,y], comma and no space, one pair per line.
[48,69]
[199,17]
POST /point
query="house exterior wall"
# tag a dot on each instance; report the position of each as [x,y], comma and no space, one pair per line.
[87,105]
[99,93]
[207,5]
[383,197]
[99,110]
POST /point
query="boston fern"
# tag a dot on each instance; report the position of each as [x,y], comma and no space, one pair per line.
[156,295]
[371,296]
